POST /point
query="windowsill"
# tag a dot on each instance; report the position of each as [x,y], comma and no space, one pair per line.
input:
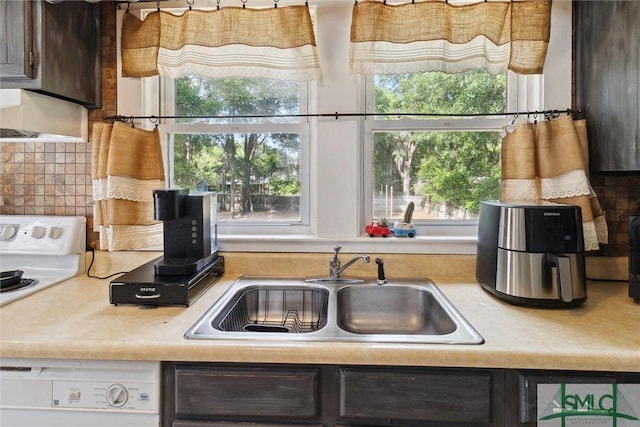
[459,245]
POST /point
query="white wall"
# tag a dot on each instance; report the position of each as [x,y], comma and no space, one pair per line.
[338,146]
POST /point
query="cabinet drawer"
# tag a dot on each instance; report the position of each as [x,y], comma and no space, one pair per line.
[247,392]
[453,397]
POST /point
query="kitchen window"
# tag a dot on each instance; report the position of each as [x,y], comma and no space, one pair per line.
[257,164]
[342,189]
[442,164]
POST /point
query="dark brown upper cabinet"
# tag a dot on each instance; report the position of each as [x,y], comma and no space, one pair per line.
[607,67]
[52,49]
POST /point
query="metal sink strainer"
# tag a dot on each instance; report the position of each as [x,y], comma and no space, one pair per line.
[277,310]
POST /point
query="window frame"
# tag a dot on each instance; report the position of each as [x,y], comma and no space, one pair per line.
[303,127]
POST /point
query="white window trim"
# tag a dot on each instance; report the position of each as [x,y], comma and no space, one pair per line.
[337,206]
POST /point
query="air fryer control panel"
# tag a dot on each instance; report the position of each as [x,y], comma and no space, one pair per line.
[554,229]
[541,229]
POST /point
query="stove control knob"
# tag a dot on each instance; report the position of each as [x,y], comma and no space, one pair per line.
[117,395]
[8,231]
[38,232]
[55,233]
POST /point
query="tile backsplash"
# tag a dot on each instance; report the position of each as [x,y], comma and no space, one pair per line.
[55,178]
[46,178]
[619,196]
[39,178]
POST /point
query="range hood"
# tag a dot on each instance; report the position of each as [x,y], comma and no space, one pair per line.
[27,116]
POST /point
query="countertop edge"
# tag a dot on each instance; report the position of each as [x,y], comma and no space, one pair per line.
[439,355]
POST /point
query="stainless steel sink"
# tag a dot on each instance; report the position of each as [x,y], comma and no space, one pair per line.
[390,309]
[295,309]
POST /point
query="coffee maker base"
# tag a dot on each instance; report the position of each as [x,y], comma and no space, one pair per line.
[142,286]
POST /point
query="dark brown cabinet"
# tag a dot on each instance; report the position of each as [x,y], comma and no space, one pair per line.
[15,40]
[607,64]
[278,395]
[328,395]
[52,48]
[221,392]
[217,394]
[454,397]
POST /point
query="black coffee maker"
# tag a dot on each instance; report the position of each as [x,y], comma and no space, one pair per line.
[190,237]
[190,263]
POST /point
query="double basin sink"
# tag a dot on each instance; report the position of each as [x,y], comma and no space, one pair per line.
[295,309]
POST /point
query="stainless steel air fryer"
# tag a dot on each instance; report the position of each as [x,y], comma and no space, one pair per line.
[532,254]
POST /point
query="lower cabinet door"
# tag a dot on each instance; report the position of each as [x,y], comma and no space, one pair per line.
[451,396]
[279,395]
[246,392]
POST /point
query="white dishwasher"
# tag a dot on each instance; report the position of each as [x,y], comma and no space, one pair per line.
[87,393]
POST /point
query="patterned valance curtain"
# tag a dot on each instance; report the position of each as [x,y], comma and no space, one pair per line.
[437,35]
[277,43]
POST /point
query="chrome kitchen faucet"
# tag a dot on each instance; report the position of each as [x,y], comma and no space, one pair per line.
[334,264]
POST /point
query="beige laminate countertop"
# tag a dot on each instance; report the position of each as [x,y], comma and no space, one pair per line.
[74,320]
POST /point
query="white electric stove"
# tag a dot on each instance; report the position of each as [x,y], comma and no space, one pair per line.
[46,249]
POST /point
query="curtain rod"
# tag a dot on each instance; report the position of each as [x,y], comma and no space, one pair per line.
[190,3]
[336,115]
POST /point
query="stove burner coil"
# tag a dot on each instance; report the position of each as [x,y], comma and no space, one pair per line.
[12,280]
[23,283]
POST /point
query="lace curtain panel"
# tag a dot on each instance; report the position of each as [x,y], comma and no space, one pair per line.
[548,161]
[436,35]
[277,43]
